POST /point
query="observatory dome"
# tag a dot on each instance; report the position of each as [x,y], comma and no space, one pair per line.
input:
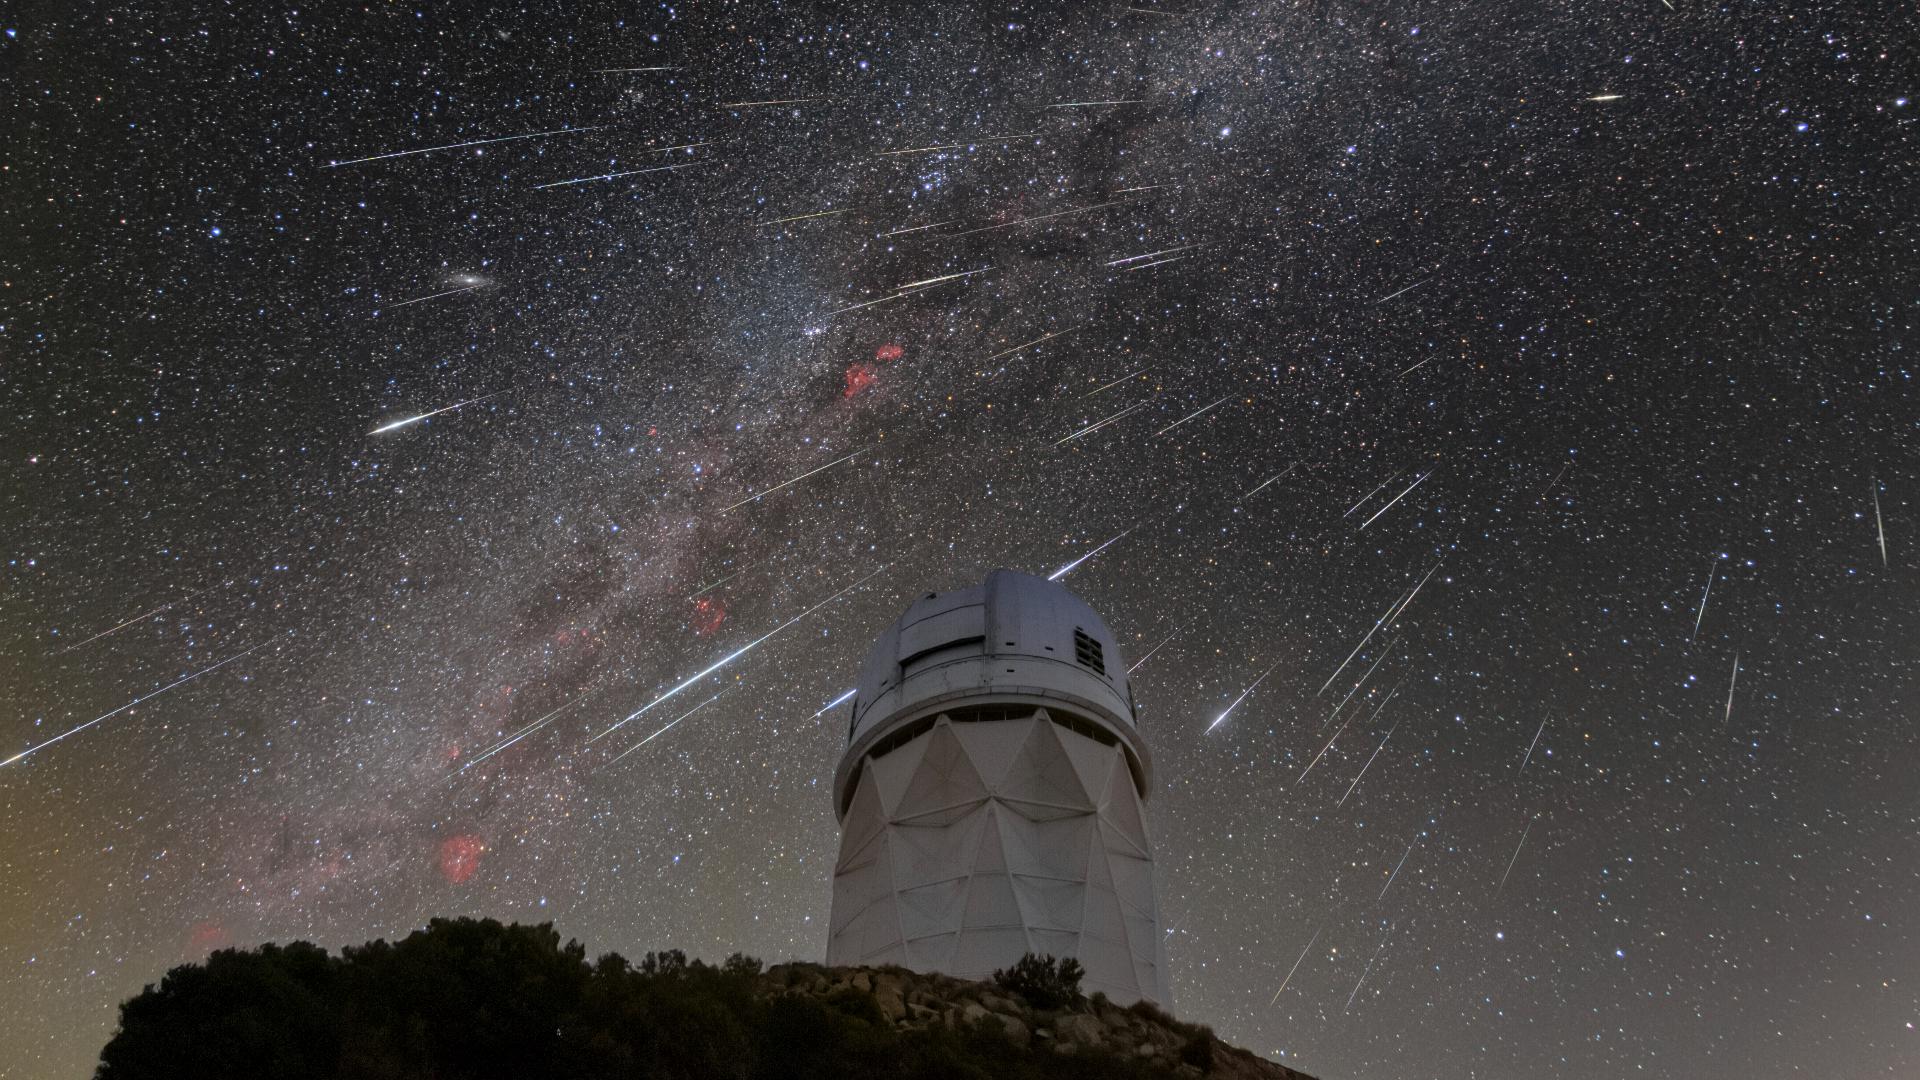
[991,796]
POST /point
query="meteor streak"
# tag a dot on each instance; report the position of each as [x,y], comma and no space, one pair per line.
[1191,415]
[1242,697]
[1085,104]
[1369,765]
[1294,968]
[518,735]
[1155,649]
[831,705]
[795,480]
[1048,217]
[1404,291]
[916,228]
[1068,569]
[143,697]
[622,754]
[730,658]
[1151,254]
[958,145]
[1414,368]
[1396,866]
[803,217]
[462,145]
[1731,683]
[1279,476]
[944,277]
[1712,568]
[1384,653]
[397,424]
[1879,526]
[1556,479]
[618,175]
[1516,853]
[1098,424]
[1531,745]
[438,295]
[1610,97]
[911,288]
[1371,494]
[1031,344]
[722,581]
[777,101]
[1154,263]
[1369,969]
[616,71]
[1343,730]
[1115,382]
[1396,498]
[1399,603]
[138,618]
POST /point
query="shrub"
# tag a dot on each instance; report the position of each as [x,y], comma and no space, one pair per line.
[1044,983]
[1198,1051]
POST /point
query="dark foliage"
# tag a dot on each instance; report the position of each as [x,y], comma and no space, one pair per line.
[474,1000]
[1198,1050]
[1045,983]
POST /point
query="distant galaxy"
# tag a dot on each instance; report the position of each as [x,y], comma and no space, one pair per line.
[456,461]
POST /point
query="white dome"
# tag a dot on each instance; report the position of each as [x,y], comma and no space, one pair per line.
[992,795]
[1015,638]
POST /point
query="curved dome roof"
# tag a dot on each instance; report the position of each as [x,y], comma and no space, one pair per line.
[1013,637]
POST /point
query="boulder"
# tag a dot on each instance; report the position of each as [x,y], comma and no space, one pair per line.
[1017,1032]
[887,992]
[1002,1005]
[1080,1029]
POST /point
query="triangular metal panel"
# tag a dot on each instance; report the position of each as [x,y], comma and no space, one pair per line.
[892,772]
[1055,849]
[923,854]
[931,909]
[992,745]
[945,779]
[979,952]
[1056,943]
[1121,807]
[990,854]
[1043,774]
[1092,761]
[1050,904]
[865,819]
[990,902]
[934,953]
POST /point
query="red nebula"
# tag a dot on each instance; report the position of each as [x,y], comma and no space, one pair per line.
[207,936]
[460,857]
[708,614]
[890,351]
[859,377]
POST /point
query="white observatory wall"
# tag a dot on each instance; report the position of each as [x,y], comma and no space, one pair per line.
[978,842]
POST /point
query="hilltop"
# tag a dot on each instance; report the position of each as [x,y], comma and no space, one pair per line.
[469,998]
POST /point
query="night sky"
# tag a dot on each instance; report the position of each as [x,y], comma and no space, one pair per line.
[1521,394]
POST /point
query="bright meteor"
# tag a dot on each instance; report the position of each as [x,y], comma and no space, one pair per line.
[731,657]
[398,424]
[144,697]
[1068,569]
[795,480]
[462,145]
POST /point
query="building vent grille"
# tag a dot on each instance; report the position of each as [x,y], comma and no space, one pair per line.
[1088,651]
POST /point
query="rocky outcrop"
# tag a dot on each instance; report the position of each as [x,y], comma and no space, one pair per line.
[1142,1033]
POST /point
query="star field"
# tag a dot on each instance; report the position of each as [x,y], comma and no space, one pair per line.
[454,458]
